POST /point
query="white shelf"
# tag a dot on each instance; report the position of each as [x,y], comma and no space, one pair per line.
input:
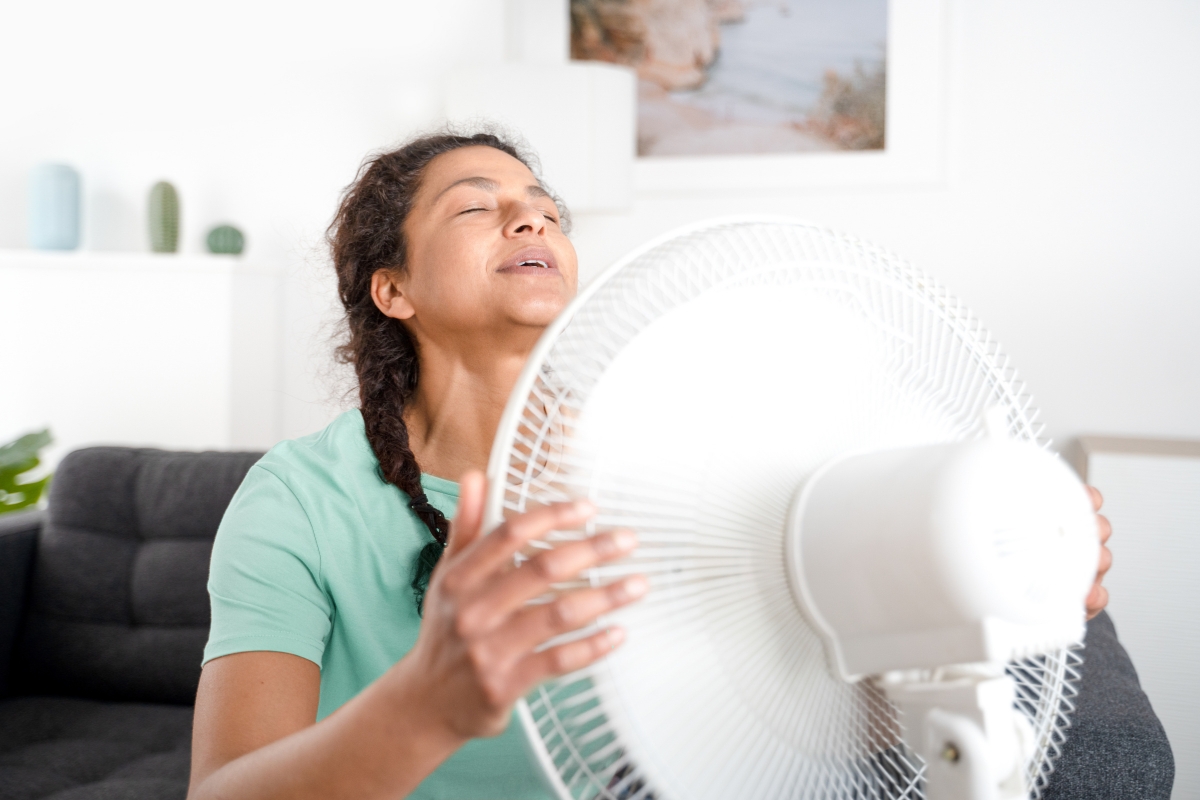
[109,260]
[166,350]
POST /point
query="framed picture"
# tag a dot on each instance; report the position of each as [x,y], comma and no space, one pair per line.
[775,94]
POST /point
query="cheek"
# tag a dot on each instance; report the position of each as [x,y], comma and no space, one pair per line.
[571,279]
[449,277]
[566,251]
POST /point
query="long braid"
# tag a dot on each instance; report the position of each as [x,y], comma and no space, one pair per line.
[385,385]
[367,235]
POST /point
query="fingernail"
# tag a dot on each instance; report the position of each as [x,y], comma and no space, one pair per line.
[624,540]
[635,586]
[584,507]
[614,543]
[615,637]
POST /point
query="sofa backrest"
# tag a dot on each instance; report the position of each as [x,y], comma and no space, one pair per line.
[118,607]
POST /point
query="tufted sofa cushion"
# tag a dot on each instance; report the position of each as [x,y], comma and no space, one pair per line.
[70,749]
[117,608]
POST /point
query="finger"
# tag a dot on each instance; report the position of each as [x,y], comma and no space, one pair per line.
[565,658]
[1097,600]
[1105,528]
[1106,559]
[1097,498]
[496,549]
[536,624]
[507,592]
[468,519]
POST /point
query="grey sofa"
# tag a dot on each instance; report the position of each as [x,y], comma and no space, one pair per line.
[104,615]
[103,619]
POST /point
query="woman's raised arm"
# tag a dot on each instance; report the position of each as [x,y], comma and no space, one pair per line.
[255,732]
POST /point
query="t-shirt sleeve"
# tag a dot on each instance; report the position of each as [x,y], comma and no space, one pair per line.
[264,580]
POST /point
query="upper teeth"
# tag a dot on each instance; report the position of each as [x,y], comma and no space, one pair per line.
[536,263]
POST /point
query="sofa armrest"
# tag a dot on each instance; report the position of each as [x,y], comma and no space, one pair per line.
[18,543]
[1116,747]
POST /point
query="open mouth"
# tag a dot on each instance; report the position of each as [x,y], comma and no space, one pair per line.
[531,261]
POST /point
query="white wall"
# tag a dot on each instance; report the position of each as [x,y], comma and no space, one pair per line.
[1066,218]
[259,112]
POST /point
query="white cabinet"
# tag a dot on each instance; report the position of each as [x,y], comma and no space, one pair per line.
[175,351]
[1152,497]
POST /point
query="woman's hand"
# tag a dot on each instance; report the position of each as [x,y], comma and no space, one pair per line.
[1097,598]
[476,654]
[478,649]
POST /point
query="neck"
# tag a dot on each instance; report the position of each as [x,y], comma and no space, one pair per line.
[453,416]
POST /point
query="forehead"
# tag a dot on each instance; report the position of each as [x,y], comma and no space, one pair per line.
[474,162]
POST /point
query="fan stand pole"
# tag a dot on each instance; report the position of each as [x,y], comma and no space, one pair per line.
[965,727]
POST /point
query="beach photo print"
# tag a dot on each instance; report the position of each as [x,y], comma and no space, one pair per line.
[740,77]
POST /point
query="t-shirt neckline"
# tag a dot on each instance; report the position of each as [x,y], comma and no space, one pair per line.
[432,483]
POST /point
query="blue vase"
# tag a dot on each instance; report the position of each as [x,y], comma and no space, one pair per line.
[54,207]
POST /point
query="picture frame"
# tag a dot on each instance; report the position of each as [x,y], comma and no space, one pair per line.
[914,152]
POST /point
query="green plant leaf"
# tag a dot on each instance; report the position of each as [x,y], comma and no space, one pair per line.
[28,494]
[17,458]
[23,448]
[9,474]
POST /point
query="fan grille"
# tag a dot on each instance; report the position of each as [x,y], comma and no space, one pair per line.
[845,743]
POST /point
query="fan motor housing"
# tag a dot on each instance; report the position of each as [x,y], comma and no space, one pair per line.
[918,557]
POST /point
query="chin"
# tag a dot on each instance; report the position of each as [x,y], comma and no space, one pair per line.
[538,313]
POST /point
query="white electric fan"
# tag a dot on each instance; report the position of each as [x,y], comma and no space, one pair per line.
[867,577]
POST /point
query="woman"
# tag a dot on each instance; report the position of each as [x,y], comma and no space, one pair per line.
[337,665]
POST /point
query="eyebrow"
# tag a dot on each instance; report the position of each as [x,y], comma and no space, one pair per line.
[489,185]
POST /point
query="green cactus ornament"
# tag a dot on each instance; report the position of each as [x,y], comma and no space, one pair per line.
[164,218]
[226,240]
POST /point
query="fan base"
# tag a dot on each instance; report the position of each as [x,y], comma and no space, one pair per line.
[963,724]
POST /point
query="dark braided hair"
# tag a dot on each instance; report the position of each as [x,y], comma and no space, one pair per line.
[367,235]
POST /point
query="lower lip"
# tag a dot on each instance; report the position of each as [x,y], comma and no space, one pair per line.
[521,269]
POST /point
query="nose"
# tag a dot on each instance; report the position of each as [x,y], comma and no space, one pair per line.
[524,218]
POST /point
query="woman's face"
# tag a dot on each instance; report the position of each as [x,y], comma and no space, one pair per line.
[486,253]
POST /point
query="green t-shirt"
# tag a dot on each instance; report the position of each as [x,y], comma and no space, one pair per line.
[315,557]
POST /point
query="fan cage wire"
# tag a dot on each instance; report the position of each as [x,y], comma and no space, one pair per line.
[565,716]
